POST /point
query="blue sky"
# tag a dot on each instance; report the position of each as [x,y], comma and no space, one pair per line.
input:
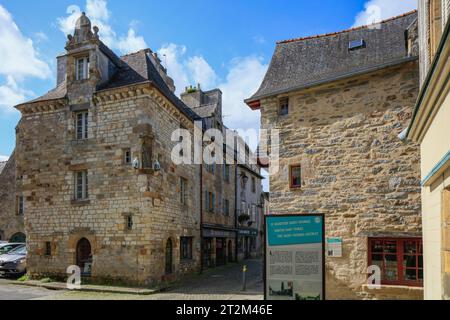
[225,44]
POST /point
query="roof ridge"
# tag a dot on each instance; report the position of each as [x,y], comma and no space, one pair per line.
[347,30]
[137,52]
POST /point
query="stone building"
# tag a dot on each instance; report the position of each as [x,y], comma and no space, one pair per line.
[12,205]
[217,183]
[249,207]
[93,161]
[430,127]
[340,102]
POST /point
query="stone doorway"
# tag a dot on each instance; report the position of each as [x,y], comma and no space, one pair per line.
[84,257]
[18,238]
[230,251]
[221,249]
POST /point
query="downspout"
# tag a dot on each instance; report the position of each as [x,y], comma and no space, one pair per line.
[236,211]
[201,218]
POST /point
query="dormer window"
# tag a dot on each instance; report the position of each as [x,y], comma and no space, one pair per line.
[356,45]
[82,68]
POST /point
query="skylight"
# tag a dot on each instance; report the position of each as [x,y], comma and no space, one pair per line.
[356,45]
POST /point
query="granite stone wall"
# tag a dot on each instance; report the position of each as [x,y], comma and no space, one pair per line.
[355,169]
[48,156]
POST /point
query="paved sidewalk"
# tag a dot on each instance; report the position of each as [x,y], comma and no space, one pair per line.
[223,283]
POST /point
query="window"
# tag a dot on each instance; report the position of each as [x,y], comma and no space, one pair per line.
[226,172]
[226,207]
[82,68]
[81,185]
[82,125]
[356,45]
[20,205]
[129,222]
[295,176]
[253,213]
[400,260]
[186,248]
[283,108]
[183,191]
[48,249]
[210,201]
[127,156]
[253,184]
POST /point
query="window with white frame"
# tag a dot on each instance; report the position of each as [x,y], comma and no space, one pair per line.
[82,122]
[82,68]
[81,185]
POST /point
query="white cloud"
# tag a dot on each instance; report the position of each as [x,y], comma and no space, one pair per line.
[243,80]
[244,75]
[3,158]
[131,42]
[18,55]
[19,60]
[98,13]
[184,70]
[377,10]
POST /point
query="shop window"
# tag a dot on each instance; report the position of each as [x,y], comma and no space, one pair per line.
[400,260]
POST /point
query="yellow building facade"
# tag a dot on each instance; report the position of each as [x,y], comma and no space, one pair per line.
[431,128]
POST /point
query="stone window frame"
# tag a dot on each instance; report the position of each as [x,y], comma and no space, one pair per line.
[210,202]
[84,62]
[129,222]
[186,246]
[20,205]
[81,125]
[292,185]
[399,254]
[183,190]
[83,193]
[253,185]
[226,207]
[48,249]
[127,157]
[226,173]
[283,106]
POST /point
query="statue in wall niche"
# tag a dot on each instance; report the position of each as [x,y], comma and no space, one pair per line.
[147,154]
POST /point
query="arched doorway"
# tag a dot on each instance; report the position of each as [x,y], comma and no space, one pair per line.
[230,251]
[84,256]
[169,257]
[19,237]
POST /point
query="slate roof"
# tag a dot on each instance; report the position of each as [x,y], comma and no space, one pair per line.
[206,111]
[2,165]
[133,69]
[305,62]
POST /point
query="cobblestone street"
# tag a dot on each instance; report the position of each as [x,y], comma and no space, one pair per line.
[224,283]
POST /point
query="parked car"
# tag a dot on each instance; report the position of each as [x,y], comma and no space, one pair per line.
[6,247]
[14,262]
